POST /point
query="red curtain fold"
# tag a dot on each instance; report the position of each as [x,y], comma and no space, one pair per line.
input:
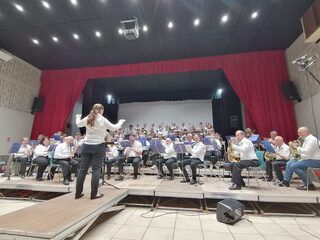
[255,77]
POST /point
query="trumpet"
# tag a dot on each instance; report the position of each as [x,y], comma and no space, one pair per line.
[294,150]
[232,156]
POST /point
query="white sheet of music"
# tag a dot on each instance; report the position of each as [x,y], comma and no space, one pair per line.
[188,148]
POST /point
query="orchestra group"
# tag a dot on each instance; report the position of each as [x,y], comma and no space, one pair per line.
[165,148]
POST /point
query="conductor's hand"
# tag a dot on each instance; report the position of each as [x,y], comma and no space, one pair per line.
[122,121]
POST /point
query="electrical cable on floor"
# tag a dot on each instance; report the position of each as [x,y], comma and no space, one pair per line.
[174,212]
[317,237]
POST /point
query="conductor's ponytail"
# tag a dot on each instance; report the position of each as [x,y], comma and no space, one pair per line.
[93,113]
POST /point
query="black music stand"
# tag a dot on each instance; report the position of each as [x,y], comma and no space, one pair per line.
[157,148]
[103,174]
[14,149]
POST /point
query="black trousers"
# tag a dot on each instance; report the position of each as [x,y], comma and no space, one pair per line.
[136,162]
[68,166]
[110,162]
[169,164]
[145,155]
[23,164]
[276,165]
[42,163]
[193,162]
[91,155]
[236,169]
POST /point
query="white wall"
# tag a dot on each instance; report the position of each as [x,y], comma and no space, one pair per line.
[77,109]
[14,125]
[305,116]
[189,111]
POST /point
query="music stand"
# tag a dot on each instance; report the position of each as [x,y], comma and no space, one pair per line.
[255,139]
[102,177]
[14,149]
[268,147]
[157,148]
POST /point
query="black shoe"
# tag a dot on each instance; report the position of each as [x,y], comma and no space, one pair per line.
[243,184]
[171,178]
[284,184]
[311,187]
[79,196]
[66,182]
[70,179]
[235,187]
[193,182]
[120,178]
[160,177]
[97,196]
[185,181]
[108,177]
[40,179]
[135,177]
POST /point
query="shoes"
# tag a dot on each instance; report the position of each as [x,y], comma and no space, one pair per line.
[243,184]
[70,179]
[66,182]
[185,181]
[120,178]
[153,167]
[311,187]
[97,196]
[78,196]
[235,187]
[108,177]
[171,178]
[40,179]
[284,183]
[135,177]
[193,182]
[160,177]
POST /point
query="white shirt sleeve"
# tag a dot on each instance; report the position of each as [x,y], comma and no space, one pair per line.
[81,122]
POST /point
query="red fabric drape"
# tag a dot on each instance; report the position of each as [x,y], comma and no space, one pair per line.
[256,78]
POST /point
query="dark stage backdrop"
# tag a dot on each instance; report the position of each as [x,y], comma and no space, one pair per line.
[256,78]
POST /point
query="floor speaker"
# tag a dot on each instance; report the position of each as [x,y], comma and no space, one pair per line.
[37,105]
[229,211]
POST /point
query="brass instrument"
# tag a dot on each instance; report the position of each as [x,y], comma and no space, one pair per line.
[232,156]
[268,156]
[294,150]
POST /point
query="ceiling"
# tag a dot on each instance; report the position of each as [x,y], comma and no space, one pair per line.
[177,86]
[276,27]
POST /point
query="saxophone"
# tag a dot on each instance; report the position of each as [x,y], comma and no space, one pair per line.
[294,150]
[232,155]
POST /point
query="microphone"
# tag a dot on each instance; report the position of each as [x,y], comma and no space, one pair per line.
[300,59]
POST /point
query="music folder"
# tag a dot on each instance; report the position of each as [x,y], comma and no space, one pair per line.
[52,148]
[143,141]
[180,148]
[267,145]
[230,138]
[15,148]
[255,138]
[157,147]
[126,143]
[206,141]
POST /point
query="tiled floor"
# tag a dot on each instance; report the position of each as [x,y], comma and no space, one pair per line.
[167,224]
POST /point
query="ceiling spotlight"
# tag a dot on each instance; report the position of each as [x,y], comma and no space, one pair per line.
[46,4]
[98,34]
[55,39]
[75,36]
[145,28]
[196,22]
[35,41]
[170,25]
[74,2]
[19,7]
[120,31]
[224,18]
[254,15]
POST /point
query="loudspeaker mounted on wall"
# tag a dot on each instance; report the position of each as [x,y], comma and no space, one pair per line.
[234,121]
[290,91]
[37,105]
[229,211]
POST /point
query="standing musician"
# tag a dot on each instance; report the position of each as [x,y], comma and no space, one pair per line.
[94,148]
[134,154]
[197,156]
[112,155]
[310,157]
[169,157]
[63,155]
[281,158]
[248,158]
[22,156]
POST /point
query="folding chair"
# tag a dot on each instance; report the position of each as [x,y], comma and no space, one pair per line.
[259,170]
[313,175]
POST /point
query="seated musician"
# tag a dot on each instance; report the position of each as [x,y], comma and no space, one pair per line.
[248,158]
[63,155]
[145,149]
[113,156]
[169,157]
[248,132]
[41,157]
[134,154]
[197,156]
[281,158]
[310,157]
[214,149]
[22,156]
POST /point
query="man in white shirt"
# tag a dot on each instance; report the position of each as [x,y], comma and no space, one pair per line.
[112,155]
[63,156]
[248,158]
[22,156]
[282,156]
[169,157]
[310,157]
[197,156]
[134,154]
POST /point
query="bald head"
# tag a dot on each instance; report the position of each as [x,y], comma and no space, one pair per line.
[240,135]
[278,140]
[303,132]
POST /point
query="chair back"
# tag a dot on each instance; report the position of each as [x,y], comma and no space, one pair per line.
[260,155]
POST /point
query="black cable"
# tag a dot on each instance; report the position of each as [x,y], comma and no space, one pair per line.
[305,230]
[174,212]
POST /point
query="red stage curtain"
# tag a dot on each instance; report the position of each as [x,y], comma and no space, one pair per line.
[256,78]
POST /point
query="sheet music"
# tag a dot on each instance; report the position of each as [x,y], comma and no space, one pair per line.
[267,145]
[188,148]
[126,143]
[15,148]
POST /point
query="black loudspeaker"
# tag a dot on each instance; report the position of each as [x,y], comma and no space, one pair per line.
[234,121]
[229,211]
[290,91]
[37,105]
